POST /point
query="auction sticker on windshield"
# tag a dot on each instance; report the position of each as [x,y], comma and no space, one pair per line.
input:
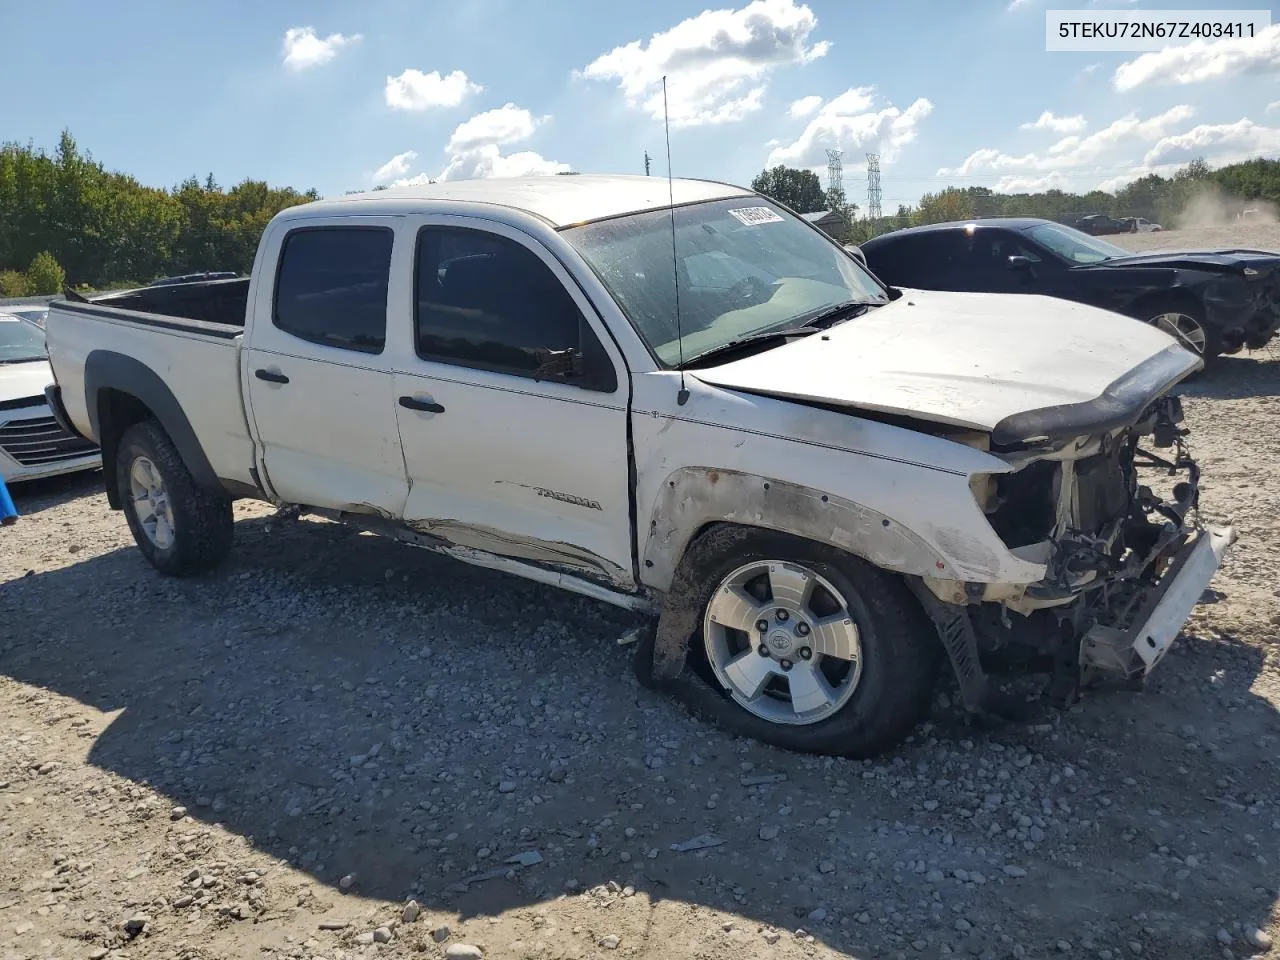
[750,216]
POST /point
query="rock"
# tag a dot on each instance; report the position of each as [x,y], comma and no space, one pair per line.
[183,902]
[98,953]
[1224,938]
[440,934]
[177,813]
[771,936]
[507,786]
[610,942]
[347,882]
[1011,870]
[827,866]
[364,939]
[768,833]
[411,912]
[136,924]
[463,951]
[817,916]
[934,876]
[1258,938]
[382,935]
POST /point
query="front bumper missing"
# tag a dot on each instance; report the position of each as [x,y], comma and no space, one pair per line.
[1135,651]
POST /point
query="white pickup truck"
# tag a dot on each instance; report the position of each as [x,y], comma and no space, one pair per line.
[816,488]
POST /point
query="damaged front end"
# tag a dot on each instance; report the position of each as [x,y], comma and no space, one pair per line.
[1126,557]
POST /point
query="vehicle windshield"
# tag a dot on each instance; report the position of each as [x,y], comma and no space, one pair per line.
[20,341]
[1075,245]
[744,266]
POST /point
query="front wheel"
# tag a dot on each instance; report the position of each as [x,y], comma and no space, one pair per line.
[180,527]
[815,650]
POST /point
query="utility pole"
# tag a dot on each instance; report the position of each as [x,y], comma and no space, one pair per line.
[647,158]
[835,170]
[873,188]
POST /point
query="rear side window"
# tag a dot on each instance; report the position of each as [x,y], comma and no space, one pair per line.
[331,287]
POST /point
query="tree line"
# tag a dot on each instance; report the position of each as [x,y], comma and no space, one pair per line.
[1179,200]
[65,218]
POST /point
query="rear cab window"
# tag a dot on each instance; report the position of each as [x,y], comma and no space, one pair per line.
[331,286]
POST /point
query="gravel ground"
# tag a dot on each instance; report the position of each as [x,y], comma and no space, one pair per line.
[339,747]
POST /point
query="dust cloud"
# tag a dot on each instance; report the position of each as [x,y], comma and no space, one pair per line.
[1211,209]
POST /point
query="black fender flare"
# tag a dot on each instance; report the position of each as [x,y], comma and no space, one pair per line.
[108,370]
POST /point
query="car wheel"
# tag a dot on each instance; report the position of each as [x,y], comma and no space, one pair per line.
[814,650]
[1185,324]
[180,527]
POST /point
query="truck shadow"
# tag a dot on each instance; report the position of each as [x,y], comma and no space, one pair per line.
[363,709]
[36,496]
[1254,373]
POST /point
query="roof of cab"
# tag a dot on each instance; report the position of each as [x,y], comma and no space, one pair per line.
[559,200]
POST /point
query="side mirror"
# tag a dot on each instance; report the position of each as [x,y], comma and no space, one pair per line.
[1019,262]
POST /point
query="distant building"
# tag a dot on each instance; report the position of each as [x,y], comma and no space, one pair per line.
[828,221]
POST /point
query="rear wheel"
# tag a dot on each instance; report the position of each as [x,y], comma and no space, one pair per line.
[180,527]
[813,649]
[1185,323]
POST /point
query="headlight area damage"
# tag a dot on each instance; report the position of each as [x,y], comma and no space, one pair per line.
[1112,517]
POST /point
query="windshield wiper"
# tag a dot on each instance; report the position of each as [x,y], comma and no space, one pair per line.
[733,346]
[839,312]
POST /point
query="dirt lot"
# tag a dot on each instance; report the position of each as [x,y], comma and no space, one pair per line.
[275,760]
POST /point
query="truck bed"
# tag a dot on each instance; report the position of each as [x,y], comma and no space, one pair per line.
[221,302]
[176,349]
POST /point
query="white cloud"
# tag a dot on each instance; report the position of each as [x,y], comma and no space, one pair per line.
[488,161]
[475,147]
[415,90]
[1076,152]
[804,106]
[717,63]
[396,167]
[1019,184]
[302,48]
[1273,106]
[1223,142]
[1089,68]
[1047,121]
[848,123]
[1199,60]
[418,180]
[506,124]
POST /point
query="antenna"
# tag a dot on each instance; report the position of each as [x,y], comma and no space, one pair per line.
[683,396]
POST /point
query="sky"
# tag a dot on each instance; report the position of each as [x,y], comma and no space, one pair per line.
[342,96]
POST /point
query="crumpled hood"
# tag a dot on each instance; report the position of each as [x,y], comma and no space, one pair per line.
[1233,259]
[968,360]
[18,380]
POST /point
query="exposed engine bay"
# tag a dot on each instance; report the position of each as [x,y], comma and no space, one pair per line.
[1111,545]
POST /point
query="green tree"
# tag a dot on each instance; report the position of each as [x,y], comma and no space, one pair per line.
[801,190]
[949,204]
[45,275]
[12,284]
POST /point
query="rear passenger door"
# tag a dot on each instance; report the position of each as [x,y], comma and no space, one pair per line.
[316,375]
[512,405]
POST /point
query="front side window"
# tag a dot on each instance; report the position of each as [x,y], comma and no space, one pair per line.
[331,287]
[741,266]
[1074,245]
[486,301]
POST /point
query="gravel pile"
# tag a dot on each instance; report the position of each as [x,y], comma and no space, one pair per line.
[338,747]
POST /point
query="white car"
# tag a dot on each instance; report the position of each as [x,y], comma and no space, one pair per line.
[817,488]
[32,444]
[1143,225]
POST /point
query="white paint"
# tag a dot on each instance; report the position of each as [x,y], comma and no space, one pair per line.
[966,359]
[20,380]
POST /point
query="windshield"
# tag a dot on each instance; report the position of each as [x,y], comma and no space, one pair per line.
[744,266]
[20,340]
[1075,245]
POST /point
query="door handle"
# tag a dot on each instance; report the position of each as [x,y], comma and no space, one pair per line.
[413,403]
[271,376]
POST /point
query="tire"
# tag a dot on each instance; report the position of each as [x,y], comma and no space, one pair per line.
[194,533]
[1152,313]
[898,661]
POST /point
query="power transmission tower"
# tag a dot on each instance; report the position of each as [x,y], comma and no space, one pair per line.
[647,158]
[873,187]
[835,170]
